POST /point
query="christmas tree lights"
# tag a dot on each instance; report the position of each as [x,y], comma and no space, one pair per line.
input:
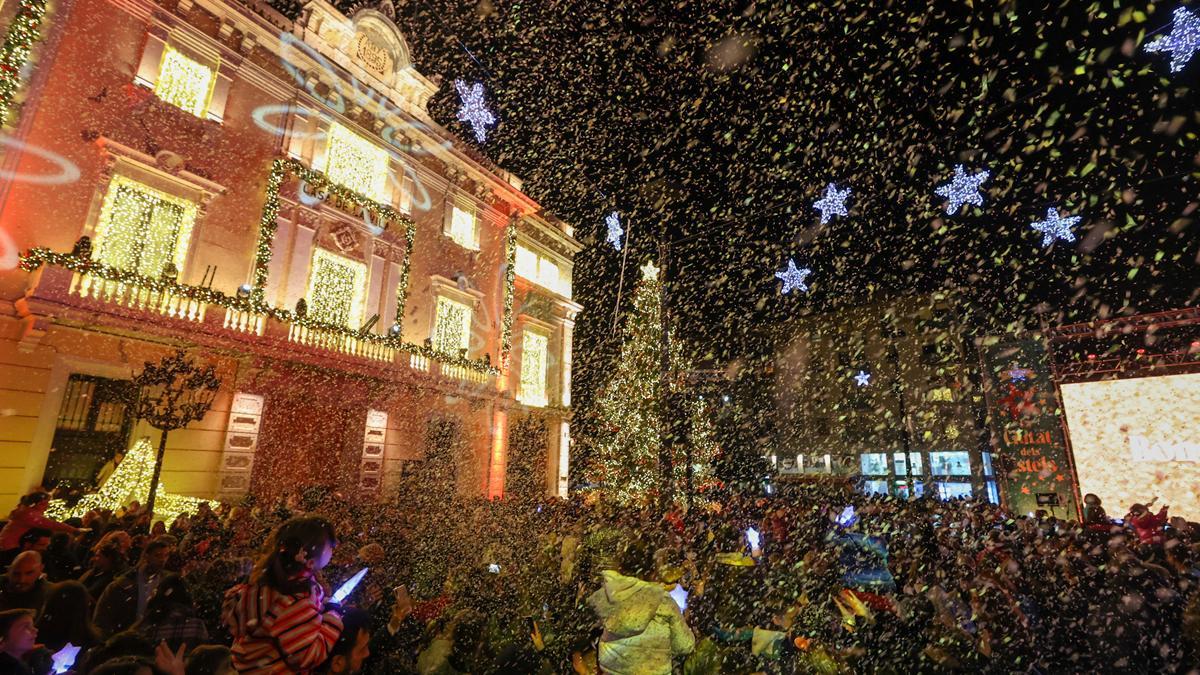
[1184,40]
[24,31]
[183,82]
[1056,227]
[355,162]
[833,203]
[963,189]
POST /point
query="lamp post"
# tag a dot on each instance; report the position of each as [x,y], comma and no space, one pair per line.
[171,394]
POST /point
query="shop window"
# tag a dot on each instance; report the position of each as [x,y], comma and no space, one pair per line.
[183,82]
[335,289]
[142,229]
[534,348]
[993,494]
[901,463]
[946,490]
[950,463]
[462,227]
[987,464]
[903,491]
[452,326]
[875,487]
[873,464]
[356,163]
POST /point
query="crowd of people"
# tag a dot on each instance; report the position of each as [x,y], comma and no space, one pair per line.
[811,579]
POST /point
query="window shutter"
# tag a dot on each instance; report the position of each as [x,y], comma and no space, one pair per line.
[220,95]
[147,73]
[448,216]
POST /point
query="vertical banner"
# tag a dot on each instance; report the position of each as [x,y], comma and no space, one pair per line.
[1025,420]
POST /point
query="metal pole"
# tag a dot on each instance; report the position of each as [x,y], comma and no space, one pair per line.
[664,422]
[898,390]
[158,462]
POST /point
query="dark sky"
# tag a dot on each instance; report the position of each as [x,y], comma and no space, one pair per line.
[721,122]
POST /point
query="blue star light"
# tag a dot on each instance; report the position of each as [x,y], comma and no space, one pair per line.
[833,203]
[793,277]
[863,378]
[1056,227]
[963,189]
[1183,42]
[615,231]
[474,109]
[64,658]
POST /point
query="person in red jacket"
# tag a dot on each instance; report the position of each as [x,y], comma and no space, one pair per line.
[1148,526]
[279,619]
[29,514]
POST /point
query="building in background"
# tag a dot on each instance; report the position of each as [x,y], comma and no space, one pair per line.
[272,196]
[887,394]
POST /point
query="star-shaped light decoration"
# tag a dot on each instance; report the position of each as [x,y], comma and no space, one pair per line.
[64,658]
[863,378]
[615,231]
[649,271]
[1056,227]
[680,595]
[833,203]
[793,277]
[474,109]
[963,189]
[1183,42]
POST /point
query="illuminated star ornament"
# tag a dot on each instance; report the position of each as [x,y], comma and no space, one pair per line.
[64,658]
[833,203]
[963,189]
[1056,227]
[680,595]
[863,378]
[793,277]
[1183,42]
[474,109]
[615,231]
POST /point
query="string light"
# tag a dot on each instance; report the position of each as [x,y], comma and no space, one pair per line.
[142,229]
[1183,42]
[534,347]
[474,109]
[963,189]
[1056,227]
[833,203]
[452,328]
[335,289]
[23,32]
[183,82]
[863,378]
[793,277]
[510,277]
[355,162]
[615,231]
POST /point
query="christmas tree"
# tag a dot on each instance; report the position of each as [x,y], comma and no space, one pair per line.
[624,459]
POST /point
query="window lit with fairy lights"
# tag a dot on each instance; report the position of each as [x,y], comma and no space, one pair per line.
[462,228]
[141,229]
[542,271]
[356,163]
[534,349]
[335,289]
[183,82]
[452,326]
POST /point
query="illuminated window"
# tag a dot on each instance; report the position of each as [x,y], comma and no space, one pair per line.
[142,229]
[873,464]
[335,289]
[534,348]
[950,463]
[542,271]
[184,83]
[462,228]
[452,327]
[356,163]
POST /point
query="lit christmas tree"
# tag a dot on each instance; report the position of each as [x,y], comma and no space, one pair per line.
[625,449]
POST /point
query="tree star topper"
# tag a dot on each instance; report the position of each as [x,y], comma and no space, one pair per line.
[793,277]
[649,271]
[1056,227]
[1184,40]
[963,189]
[615,231]
[863,378]
[833,203]
[474,109]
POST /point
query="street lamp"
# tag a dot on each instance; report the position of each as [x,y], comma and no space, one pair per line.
[171,394]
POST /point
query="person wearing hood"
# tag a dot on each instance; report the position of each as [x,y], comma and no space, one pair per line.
[643,628]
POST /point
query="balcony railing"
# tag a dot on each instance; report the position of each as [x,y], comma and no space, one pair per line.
[86,284]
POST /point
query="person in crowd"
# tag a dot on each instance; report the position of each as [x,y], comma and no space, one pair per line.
[59,558]
[279,619]
[23,586]
[18,638]
[29,514]
[352,648]
[1148,526]
[210,660]
[67,618]
[108,563]
[1094,517]
[171,616]
[109,467]
[34,539]
[124,600]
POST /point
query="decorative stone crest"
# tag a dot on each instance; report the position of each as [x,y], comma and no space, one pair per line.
[344,236]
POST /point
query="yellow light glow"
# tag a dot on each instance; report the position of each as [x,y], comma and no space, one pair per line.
[452,327]
[335,289]
[534,348]
[141,229]
[542,271]
[356,163]
[184,83]
[462,228]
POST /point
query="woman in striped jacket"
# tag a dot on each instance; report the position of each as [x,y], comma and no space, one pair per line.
[279,619]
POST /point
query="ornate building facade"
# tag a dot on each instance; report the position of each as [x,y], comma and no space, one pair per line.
[272,197]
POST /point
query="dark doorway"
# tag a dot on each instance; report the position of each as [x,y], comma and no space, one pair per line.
[94,422]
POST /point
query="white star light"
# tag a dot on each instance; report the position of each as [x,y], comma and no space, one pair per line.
[833,203]
[1183,42]
[1056,227]
[64,658]
[863,378]
[793,277]
[615,231]
[474,109]
[680,595]
[962,189]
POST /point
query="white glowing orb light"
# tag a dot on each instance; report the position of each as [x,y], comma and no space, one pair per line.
[474,109]
[793,277]
[963,189]
[1183,42]
[1056,227]
[833,203]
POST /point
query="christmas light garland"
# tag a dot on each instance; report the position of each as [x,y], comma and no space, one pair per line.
[23,33]
[510,275]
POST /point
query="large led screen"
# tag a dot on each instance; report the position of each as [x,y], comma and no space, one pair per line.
[1137,439]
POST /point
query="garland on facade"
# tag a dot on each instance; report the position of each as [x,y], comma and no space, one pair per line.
[510,275]
[410,233]
[23,33]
